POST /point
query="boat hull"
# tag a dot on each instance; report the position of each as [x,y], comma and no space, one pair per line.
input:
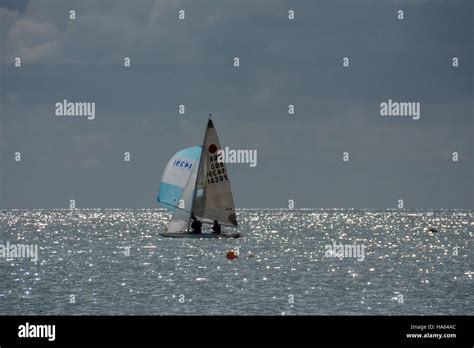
[199,236]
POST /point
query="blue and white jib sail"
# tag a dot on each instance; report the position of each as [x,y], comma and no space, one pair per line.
[177,187]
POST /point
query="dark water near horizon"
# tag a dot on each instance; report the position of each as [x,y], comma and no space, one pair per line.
[282,268]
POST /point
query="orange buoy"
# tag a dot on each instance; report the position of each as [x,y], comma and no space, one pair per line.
[232,254]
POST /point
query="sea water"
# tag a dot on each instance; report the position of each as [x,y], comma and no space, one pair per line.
[291,262]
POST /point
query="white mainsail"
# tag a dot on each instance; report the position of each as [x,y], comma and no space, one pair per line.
[213,196]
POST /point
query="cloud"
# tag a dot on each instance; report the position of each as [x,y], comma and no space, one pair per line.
[34,42]
[190,62]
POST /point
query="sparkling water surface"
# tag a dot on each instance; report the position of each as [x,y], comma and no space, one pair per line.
[282,268]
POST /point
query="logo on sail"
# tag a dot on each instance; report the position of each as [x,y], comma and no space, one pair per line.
[182,164]
[212,148]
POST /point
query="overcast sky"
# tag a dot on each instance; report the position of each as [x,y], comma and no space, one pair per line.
[282,62]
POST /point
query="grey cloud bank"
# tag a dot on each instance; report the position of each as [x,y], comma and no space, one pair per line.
[283,62]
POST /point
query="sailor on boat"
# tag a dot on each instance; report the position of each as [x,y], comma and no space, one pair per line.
[196,225]
[216,228]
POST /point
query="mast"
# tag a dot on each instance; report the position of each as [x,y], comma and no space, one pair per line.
[199,168]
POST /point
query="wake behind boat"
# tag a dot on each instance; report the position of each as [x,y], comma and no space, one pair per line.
[195,185]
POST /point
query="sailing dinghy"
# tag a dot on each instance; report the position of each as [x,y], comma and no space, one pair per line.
[196,182]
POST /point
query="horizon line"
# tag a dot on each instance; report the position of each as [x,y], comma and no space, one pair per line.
[249,209]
